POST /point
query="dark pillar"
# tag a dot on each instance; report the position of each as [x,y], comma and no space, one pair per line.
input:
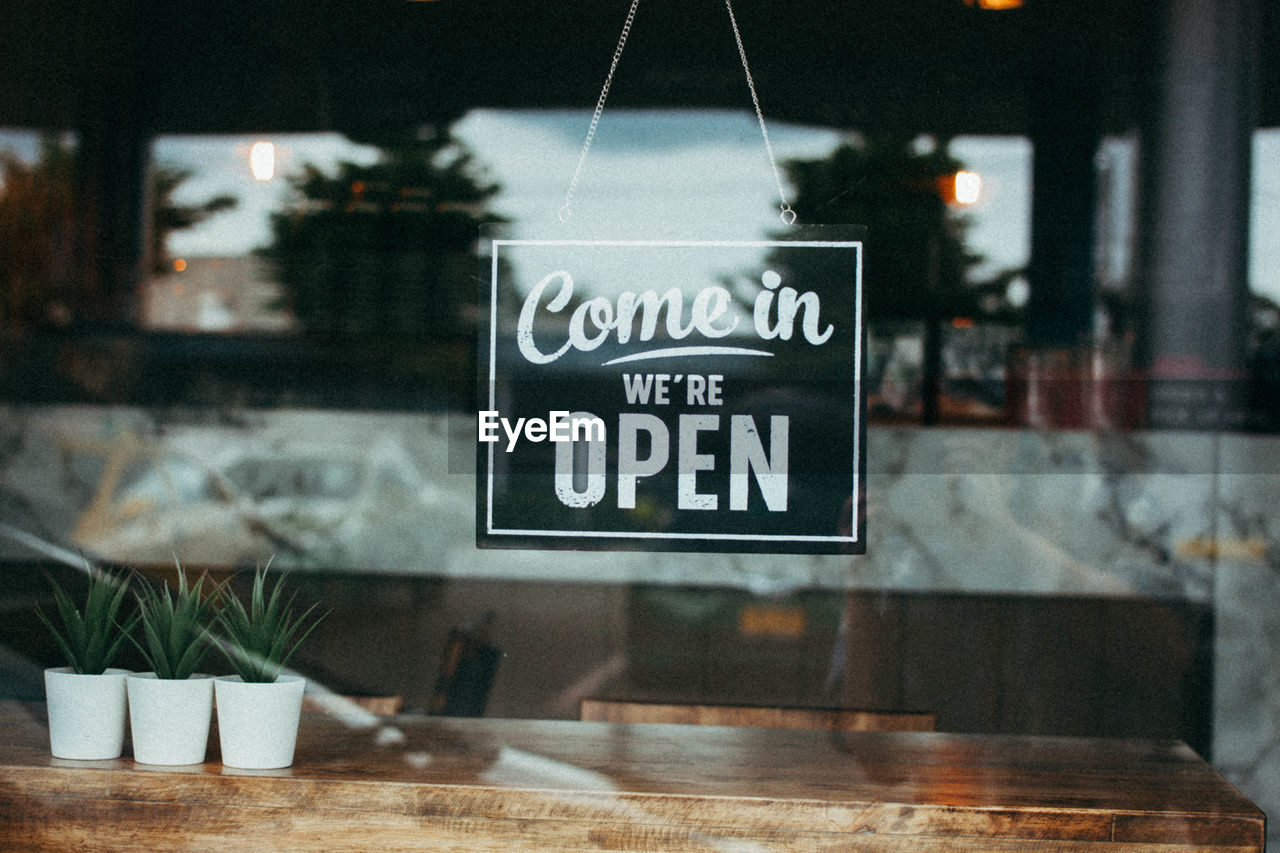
[1193,251]
[114,127]
[1064,137]
[1050,379]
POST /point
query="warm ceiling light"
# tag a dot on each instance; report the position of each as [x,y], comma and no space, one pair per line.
[262,161]
[968,187]
[995,5]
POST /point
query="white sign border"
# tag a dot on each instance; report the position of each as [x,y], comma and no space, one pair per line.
[678,244]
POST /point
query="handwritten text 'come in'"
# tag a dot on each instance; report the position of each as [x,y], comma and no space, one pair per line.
[595,319]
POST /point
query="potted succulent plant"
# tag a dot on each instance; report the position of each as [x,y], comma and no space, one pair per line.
[87,698]
[259,707]
[171,706]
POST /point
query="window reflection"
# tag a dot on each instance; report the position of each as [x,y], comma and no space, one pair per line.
[273,361]
[337,245]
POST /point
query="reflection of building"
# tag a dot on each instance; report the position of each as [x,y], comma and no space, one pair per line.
[229,294]
[1030,514]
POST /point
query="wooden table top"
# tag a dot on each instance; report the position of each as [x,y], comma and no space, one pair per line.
[416,783]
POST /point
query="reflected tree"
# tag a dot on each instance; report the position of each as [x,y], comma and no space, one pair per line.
[917,266]
[37,234]
[916,260]
[385,250]
[37,231]
[168,216]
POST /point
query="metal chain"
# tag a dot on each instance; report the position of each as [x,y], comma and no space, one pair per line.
[565,210]
[788,215]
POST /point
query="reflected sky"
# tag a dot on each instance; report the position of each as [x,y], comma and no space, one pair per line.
[681,168]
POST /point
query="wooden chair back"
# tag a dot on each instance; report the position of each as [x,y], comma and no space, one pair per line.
[831,719]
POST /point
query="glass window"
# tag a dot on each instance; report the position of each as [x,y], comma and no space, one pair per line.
[251,336]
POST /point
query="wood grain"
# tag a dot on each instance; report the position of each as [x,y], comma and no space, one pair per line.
[752,716]
[411,783]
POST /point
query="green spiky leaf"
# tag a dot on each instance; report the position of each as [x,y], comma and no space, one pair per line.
[176,626]
[261,637]
[90,638]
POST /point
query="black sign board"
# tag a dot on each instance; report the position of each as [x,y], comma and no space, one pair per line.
[698,395]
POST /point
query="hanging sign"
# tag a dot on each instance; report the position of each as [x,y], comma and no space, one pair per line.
[672,395]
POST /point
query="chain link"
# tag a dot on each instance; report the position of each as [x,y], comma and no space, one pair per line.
[788,215]
[566,211]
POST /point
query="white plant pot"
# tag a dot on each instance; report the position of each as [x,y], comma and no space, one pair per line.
[169,718]
[258,723]
[86,713]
